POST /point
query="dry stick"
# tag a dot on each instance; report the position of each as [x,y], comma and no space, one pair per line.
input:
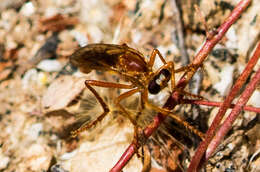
[236,111]
[226,104]
[175,98]
[218,104]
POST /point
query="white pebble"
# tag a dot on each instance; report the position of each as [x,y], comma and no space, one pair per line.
[254,99]
[49,65]
[4,160]
[226,80]
[34,130]
[68,155]
[28,9]
[29,76]
[232,38]
[80,37]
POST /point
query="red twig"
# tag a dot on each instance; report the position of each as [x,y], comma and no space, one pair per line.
[175,98]
[234,114]
[238,107]
[226,104]
[218,104]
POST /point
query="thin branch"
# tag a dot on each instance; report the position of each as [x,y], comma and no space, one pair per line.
[236,111]
[233,115]
[226,104]
[218,104]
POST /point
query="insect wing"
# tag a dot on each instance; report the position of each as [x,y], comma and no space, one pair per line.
[97,57]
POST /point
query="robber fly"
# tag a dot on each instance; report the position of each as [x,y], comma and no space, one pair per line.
[132,66]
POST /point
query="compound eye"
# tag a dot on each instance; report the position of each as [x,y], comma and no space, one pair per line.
[153,87]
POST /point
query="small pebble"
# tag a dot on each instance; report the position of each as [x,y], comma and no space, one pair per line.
[49,65]
[81,38]
[29,76]
[4,160]
[34,130]
[28,9]
[254,99]
[226,80]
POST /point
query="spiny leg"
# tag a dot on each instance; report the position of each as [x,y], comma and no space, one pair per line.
[166,65]
[146,158]
[185,93]
[186,69]
[190,67]
[88,84]
[139,113]
[133,121]
[175,117]
[170,66]
[123,96]
[108,84]
[152,57]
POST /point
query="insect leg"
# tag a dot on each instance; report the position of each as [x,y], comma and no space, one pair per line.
[186,69]
[133,121]
[123,96]
[152,57]
[190,67]
[172,115]
[192,95]
[88,84]
[170,66]
[166,65]
[140,109]
[146,159]
[108,84]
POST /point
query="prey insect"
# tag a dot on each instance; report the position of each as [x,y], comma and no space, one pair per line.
[131,65]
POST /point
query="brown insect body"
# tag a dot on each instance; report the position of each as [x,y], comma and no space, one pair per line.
[131,65]
[126,61]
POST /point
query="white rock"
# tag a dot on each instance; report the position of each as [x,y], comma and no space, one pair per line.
[232,38]
[68,155]
[29,76]
[80,37]
[50,11]
[4,160]
[254,99]
[28,9]
[226,80]
[50,65]
[34,130]
[38,157]
[103,152]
